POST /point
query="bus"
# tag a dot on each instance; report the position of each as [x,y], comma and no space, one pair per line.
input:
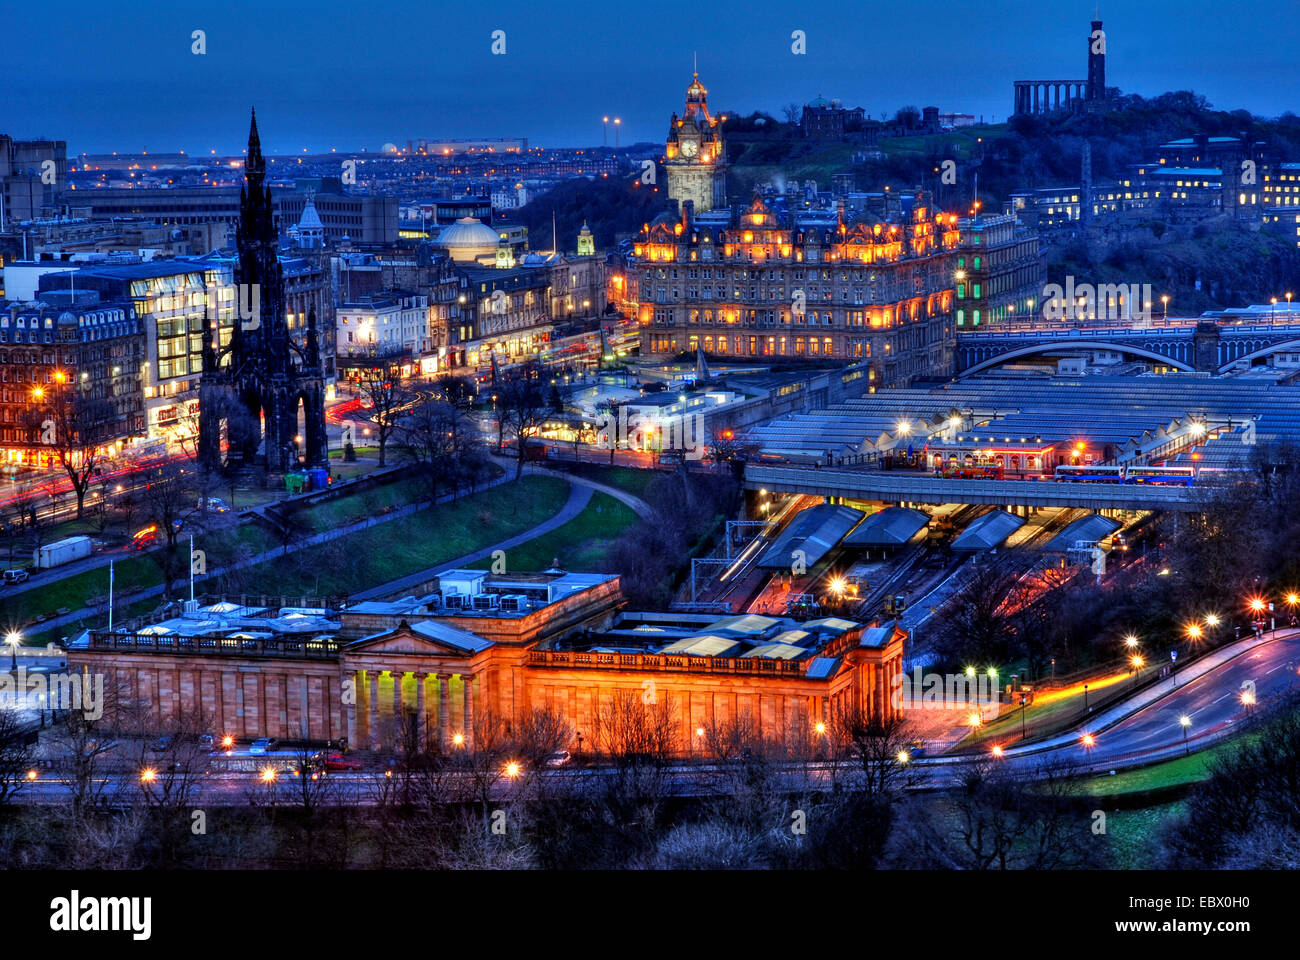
[1182,476]
[1090,474]
[972,471]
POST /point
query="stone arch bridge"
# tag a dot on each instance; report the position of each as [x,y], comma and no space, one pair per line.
[1204,345]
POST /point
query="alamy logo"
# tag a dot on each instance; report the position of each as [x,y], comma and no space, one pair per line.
[659,432]
[943,691]
[1105,301]
[76,914]
[247,307]
[40,691]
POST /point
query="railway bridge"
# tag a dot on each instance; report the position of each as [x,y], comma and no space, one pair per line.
[1188,345]
[894,487]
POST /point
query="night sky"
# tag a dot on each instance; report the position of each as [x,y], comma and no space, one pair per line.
[347,75]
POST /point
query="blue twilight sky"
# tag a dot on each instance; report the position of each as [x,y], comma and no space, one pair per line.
[349,74]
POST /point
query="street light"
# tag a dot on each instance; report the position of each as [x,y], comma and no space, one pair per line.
[1186,722]
[14,639]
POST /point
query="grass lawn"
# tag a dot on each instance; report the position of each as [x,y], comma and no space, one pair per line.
[628,479]
[353,507]
[77,591]
[1130,833]
[410,544]
[1054,710]
[132,571]
[1170,773]
[581,544]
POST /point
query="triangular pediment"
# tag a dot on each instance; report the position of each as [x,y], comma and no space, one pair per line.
[426,638]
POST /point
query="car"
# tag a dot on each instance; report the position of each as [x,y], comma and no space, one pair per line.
[334,761]
[205,742]
[16,576]
[144,539]
[215,504]
[261,746]
[559,759]
[161,744]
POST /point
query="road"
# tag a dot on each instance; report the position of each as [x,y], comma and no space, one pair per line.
[1143,730]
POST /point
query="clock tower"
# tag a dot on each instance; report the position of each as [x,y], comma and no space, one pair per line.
[696,160]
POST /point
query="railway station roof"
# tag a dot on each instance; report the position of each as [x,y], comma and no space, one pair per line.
[891,527]
[813,532]
[1134,413]
[1091,528]
[988,532]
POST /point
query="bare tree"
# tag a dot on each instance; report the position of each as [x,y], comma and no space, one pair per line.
[878,745]
[16,753]
[77,427]
[436,437]
[522,408]
[387,395]
[168,498]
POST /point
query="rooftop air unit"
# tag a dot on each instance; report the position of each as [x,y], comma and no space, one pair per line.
[514,602]
[485,601]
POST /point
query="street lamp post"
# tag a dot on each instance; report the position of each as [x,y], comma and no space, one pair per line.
[1022,716]
[1186,722]
[14,639]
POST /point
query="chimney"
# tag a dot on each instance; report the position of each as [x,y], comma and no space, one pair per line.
[688,216]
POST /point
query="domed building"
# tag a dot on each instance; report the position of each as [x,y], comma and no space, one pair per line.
[470,240]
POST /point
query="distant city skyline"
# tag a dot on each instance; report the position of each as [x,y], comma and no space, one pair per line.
[332,75]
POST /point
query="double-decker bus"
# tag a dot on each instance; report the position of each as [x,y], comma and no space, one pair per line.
[981,470]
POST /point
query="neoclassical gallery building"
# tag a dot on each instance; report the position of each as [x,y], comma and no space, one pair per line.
[475,645]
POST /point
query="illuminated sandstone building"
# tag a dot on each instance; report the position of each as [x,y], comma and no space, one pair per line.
[803,287]
[486,646]
[696,158]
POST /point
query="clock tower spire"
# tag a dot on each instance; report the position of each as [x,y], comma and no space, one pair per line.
[695,155]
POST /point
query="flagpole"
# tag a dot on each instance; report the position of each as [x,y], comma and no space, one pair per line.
[191,568]
[110,596]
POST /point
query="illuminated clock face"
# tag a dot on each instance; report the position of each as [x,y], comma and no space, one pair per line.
[690,148]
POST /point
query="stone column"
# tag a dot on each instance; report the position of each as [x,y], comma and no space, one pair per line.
[373,732]
[444,711]
[350,713]
[467,680]
[422,731]
[399,720]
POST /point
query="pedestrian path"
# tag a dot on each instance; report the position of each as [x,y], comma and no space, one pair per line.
[642,509]
[579,496]
[98,613]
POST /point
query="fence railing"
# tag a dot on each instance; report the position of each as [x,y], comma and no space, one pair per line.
[664,662]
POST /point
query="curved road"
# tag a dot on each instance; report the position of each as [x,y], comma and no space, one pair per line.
[1210,694]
